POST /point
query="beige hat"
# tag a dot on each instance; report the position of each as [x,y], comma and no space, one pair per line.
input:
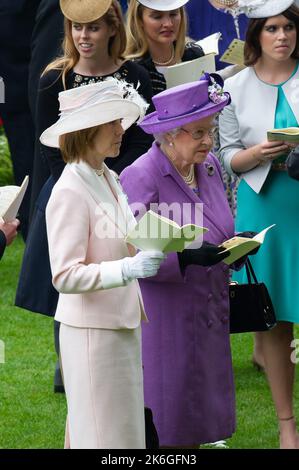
[95,104]
[84,11]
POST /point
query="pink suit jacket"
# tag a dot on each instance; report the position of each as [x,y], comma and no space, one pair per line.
[86,226]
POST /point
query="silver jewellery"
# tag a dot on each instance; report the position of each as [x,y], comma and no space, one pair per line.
[161,64]
[210,168]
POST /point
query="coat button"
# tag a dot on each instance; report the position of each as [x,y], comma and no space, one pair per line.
[209,269]
[209,323]
[224,293]
[210,296]
[224,319]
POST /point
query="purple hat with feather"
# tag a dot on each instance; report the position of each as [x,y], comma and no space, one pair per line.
[186,103]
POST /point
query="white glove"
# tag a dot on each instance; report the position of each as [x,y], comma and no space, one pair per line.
[144,264]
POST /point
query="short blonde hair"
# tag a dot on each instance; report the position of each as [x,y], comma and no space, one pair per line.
[137,44]
[73,145]
[117,45]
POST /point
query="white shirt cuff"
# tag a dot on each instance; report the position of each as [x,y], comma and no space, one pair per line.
[111,274]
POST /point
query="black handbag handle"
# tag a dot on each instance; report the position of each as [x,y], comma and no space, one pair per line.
[250,272]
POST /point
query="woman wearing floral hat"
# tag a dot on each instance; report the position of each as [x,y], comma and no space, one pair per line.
[188,378]
[157,37]
[264,96]
[95,271]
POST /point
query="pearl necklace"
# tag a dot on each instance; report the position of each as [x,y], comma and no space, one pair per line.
[161,64]
[99,172]
[189,179]
[227,3]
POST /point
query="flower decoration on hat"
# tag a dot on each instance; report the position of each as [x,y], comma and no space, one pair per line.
[215,88]
[95,104]
[264,8]
[131,94]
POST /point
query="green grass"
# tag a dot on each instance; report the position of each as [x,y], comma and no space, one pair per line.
[6,173]
[32,416]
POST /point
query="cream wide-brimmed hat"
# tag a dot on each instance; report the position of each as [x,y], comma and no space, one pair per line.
[163,5]
[84,11]
[92,105]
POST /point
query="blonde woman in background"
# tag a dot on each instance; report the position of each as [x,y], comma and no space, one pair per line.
[156,31]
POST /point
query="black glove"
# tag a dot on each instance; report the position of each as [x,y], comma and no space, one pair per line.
[207,255]
[248,234]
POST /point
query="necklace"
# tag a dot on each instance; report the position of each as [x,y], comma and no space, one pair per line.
[99,172]
[161,64]
[189,179]
[226,3]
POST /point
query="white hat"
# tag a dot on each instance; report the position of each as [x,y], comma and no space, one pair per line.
[264,8]
[163,5]
[91,105]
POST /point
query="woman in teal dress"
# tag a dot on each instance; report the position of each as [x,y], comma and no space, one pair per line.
[265,95]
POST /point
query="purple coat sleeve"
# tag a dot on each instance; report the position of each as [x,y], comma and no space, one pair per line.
[140,197]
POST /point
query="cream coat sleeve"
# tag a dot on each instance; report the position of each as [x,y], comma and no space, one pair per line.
[68,229]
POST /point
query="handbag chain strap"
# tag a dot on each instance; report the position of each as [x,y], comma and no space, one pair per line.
[250,272]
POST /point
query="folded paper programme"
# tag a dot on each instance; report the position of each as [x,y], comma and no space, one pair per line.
[234,54]
[287,134]
[190,71]
[155,232]
[10,200]
[241,246]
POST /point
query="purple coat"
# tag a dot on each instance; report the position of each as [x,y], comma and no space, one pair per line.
[188,378]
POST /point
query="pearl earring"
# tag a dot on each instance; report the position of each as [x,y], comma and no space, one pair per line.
[171,144]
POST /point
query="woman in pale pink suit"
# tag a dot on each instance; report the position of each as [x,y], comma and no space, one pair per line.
[100,306]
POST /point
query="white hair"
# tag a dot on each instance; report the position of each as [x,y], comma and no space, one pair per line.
[160,138]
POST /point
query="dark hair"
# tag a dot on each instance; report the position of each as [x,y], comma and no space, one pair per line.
[252,50]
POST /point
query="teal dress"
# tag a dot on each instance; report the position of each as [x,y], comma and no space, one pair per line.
[277,262]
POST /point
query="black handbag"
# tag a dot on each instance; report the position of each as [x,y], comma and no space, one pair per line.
[251,307]
[292,163]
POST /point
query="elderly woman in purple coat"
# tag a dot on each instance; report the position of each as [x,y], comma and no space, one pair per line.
[188,378]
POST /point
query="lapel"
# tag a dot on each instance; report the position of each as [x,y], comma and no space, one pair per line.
[112,202]
[291,91]
[167,169]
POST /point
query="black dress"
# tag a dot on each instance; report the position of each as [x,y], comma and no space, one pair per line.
[135,142]
[2,243]
[192,51]
[35,291]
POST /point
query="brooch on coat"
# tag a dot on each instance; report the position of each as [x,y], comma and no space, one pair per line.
[210,168]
